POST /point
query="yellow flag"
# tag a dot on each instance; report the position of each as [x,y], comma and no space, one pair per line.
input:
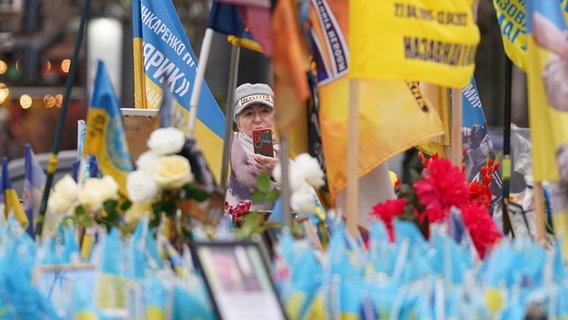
[512,22]
[391,120]
[548,111]
[426,40]
[393,114]
[547,65]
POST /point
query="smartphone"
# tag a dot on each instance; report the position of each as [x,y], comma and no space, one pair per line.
[262,142]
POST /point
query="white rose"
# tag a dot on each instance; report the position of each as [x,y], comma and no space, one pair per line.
[302,200]
[166,140]
[294,177]
[96,191]
[67,187]
[310,169]
[147,162]
[141,186]
[59,203]
[173,172]
[109,188]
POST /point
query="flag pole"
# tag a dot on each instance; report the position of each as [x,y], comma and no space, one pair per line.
[353,159]
[52,164]
[455,154]
[199,76]
[233,77]
[506,163]
[285,187]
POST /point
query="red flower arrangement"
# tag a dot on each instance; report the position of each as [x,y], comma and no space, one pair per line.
[239,211]
[386,211]
[440,187]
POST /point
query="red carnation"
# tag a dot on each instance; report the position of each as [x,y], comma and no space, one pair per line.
[443,186]
[483,230]
[480,192]
[386,211]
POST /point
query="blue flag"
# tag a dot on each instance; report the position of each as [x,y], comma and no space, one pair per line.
[478,144]
[226,18]
[34,181]
[163,54]
[105,137]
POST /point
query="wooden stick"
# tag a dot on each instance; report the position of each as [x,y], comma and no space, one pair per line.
[455,152]
[353,159]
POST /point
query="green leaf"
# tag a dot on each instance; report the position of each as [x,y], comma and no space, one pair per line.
[263,182]
[257,197]
[193,192]
[414,175]
[79,210]
[110,206]
[125,205]
[200,195]
[273,195]
[157,207]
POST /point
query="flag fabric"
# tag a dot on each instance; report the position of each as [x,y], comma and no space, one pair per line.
[11,199]
[226,18]
[105,137]
[163,52]
[477,143]
[34,181]
[289,65]
[511,15]
[426,40]
[255,15]
[393,114]
[512,22]
[548,113]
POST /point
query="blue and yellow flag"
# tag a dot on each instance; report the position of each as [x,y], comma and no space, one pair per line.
[226,18]
[512,18]
[163,54]
[426,40]
[547,66]
[34,181]
[11,199]
[105,137]
[512,22]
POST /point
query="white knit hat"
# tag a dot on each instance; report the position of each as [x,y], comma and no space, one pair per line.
[248,93]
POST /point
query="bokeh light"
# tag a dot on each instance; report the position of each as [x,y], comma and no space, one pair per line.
[49,101]
[25,101]
[65,65]
[4,92]
[47,65]
[3,67]
[58,100]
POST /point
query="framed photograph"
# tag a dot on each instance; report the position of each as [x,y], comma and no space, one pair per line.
[57,282]
[238,280]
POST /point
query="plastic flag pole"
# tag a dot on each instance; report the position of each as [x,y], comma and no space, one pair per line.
[233,75]
[506,163]
[52,164]
[199,76]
